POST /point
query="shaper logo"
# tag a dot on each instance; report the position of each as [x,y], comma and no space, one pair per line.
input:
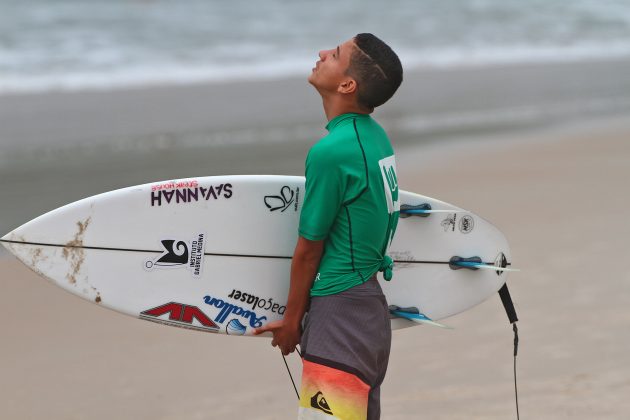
[449,222]
[172,257]
[282,201]
[178,254]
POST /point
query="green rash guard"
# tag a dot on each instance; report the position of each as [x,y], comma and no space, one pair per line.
[351,201]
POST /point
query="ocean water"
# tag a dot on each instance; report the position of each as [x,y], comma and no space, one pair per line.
[82,44]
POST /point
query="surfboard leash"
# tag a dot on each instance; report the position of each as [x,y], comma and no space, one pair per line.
[289,371]
[506,299]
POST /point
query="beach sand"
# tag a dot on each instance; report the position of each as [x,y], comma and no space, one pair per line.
[559,194]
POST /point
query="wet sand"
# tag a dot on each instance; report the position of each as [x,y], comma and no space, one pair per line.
[559,194]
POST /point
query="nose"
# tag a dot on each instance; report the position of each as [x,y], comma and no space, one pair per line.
[323,54]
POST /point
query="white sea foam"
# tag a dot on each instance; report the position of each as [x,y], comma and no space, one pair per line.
[79,44]
[181,73]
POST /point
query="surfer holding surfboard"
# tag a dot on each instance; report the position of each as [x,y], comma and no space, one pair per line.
[348,219]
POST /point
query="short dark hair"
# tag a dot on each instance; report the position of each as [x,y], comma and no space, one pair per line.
[377,70]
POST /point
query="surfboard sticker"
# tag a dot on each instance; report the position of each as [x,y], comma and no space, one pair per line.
[234,327]
[287,198]
[183,192]
[180,315]
[179,253]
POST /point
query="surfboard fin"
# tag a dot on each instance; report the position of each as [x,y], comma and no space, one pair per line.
[423,210]
[495,268]
[475,263]
[413,314]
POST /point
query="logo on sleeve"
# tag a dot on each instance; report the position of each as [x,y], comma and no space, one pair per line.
[390,183]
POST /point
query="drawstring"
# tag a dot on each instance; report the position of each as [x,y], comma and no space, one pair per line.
[387,265]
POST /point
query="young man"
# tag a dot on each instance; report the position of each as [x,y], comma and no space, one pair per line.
[349,216]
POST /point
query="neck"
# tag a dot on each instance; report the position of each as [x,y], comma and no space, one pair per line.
[335,106]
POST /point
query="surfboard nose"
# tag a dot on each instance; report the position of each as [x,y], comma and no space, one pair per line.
[5,240]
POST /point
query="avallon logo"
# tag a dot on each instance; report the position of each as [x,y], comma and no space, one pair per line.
[282,201]
[227,308]
[234,327]
[178,254]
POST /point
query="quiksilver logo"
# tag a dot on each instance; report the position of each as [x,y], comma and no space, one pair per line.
[319,402]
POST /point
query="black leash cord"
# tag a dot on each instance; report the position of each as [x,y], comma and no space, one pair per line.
[515,329]
[290,376]
[508,305]
[289,371]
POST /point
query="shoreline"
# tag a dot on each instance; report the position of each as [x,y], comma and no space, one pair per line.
[417,68]
[430,103]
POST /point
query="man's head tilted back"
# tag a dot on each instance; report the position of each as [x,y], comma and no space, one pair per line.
[377,70]
[361,73]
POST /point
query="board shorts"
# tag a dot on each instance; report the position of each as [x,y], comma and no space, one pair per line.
[345,349]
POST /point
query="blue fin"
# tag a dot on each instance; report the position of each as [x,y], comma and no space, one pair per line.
[419,318]
[475,265]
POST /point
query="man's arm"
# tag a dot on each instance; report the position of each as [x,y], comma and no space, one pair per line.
[304,267]
[287,332]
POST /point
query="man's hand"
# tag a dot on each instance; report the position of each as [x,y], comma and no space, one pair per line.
[288,331]
[284,336]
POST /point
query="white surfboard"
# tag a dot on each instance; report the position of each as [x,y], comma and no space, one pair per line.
[213,254]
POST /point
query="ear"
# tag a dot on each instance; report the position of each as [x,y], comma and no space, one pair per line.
[347,86]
